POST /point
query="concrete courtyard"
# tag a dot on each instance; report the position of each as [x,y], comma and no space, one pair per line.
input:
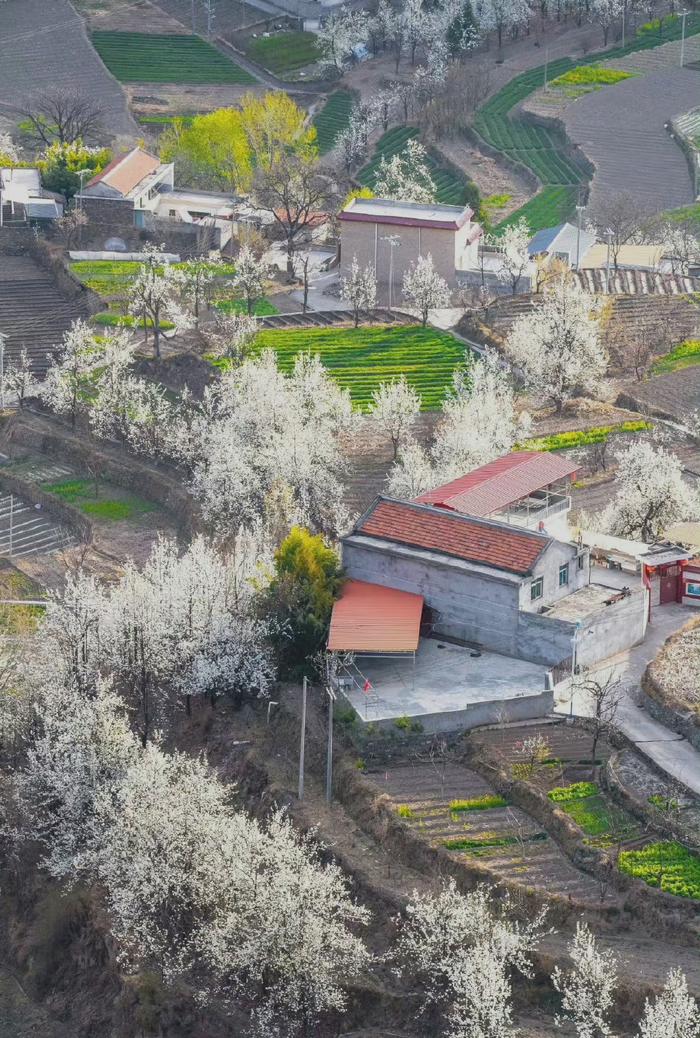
[448,687]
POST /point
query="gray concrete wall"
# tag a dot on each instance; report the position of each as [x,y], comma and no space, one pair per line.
[543,639]
[472,607]
[547,567]
[364,240]
[523,708]
[615,628]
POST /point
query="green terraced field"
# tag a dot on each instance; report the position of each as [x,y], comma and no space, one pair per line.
[543,149]
[451,188]
[360,358]
[285,51]
[332,119]
[135,57]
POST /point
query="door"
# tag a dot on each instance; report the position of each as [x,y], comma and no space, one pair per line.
[669,585]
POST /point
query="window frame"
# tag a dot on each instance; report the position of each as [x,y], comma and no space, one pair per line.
[564,572]
[538,582]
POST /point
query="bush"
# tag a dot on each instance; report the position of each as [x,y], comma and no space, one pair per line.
[482,803]
[583,437]
[407,724]
[299,599]
[576,791]
[404,811]
[667,865]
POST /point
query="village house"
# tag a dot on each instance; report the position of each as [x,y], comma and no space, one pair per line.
[483,570]
[390,236]
[137,190]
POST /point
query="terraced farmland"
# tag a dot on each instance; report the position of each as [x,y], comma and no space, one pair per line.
[284,52]
[135,57]
[543,150]
[332,119]
[361,358]
[504,839]
[452,189]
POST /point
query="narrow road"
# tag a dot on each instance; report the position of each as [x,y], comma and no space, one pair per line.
[668,750]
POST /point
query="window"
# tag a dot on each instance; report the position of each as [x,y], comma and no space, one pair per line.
[536,589]
[172,212]
[564,575]
[580,559]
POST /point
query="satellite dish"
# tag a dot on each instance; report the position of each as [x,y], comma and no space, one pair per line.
[115,245]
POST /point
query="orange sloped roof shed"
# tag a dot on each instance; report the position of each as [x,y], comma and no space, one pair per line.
[372,618]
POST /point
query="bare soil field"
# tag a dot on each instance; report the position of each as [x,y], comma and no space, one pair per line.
[184,99]
[46,45]
[504,839]
[489,176]
[141,16]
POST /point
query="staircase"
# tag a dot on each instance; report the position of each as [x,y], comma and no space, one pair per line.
[33,313]
[27,530]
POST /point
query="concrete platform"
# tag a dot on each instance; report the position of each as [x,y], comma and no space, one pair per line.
[448,688]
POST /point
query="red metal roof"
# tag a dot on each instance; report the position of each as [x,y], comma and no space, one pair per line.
[372,618]
[481,541]
[500,483]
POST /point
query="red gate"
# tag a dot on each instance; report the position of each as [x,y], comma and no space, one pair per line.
[669,584]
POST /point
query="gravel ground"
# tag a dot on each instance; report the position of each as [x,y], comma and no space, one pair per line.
[45,45]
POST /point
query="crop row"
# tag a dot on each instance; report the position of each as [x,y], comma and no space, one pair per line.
[451,188]
[667,865]
[549,207]
[135,57]
[333,119]
[285,52]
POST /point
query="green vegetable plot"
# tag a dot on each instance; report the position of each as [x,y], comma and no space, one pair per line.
[285,51]
[332,119]
[452,189]
[135,57]
[667,865]
[361,358]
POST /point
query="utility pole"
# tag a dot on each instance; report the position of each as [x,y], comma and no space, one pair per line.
[194,19]
[329,757]
[394,241]
[579,210]
[684,15]
[546,66]
[12,503]
[608,235]
[624,12]
[303,737]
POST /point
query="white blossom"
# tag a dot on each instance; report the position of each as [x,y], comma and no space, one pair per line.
[406,176]
[588,987]
[232,335]
[20,379]
[338,36]
[605,13]
[395,408]
[359,288]
[672,1014]
[513,256]
[69,375]
[650,493]
[480,421]
[249,276]
[412,473]
[153,295]
[424,288]
[558,346]
[9,151]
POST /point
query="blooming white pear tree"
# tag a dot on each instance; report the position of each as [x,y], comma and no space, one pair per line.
[588,988]
[480,419]
[154,296]
[338,35]
[502,16]
[249,277]
[650,493]
[605,13]
[232,336]
[197,275]
[406,176]
[271,431]
[20,379]
[71,373]
[412,473]
[9,151]
[673,1013]
[514,259]
[359,288]
[424,288]
[394,409]
[558,346]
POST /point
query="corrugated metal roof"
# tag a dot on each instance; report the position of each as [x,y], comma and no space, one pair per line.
[500,483]
[482,541]
[372,618]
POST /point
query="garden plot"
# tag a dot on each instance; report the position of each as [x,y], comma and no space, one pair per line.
[361,358]
[566,744]
[332,119]
[603,823]
[44,46]
[165,58]
[451,187]
[435,802]
[284,52]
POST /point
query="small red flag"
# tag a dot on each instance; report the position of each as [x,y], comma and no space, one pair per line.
[366,687]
